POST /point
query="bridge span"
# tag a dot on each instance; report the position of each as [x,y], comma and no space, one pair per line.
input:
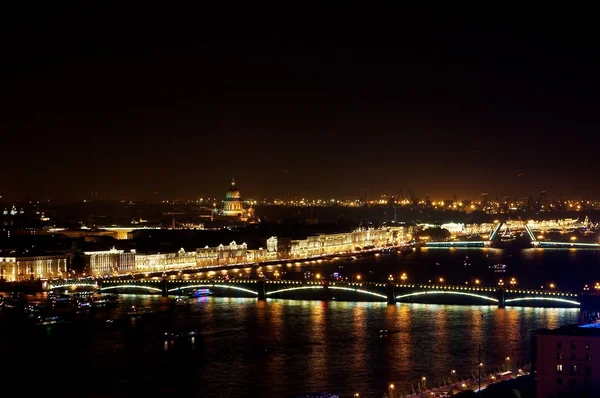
[341,291]
[495,234]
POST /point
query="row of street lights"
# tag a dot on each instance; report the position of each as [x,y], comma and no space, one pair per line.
[453,375]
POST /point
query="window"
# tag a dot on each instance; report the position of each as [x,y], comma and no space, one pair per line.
[559,380]
[573,357]
[587,346]
[588,371]
[559,368]
[588,357]
[572,382]
[573,369]
[559,356]
[559,344]
[573,346]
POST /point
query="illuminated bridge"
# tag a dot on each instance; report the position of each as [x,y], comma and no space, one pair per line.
[344,291]
[496,234]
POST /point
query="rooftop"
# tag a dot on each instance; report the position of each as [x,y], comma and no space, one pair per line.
[591,329]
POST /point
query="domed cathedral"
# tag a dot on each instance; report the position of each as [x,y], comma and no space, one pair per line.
[233,205]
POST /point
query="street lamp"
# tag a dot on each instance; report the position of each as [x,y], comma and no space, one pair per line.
[391,390]
[423,384]
[513,281]
[403,277]
[441,280]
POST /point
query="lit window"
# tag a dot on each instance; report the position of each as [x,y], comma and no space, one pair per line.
[573,346]
[559,368]
[587,346]
[559,356]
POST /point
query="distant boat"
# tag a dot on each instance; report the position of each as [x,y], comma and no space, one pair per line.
[49,321]
[138,313]
[182,335]
[200,293]
[498,267]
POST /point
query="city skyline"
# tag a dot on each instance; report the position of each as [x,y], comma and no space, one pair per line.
[437,104]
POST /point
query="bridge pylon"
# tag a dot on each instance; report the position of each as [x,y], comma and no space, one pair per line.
[391,293]
[164,287]
[501,298]
[262,293]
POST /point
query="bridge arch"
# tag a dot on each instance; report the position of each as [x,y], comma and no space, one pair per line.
[555,299]
[429,292]
[154,289]
[289,289]
[50,287]
[349,289]
[213,286]
[366,292]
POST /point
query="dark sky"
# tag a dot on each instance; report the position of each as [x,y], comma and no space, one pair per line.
[303,102]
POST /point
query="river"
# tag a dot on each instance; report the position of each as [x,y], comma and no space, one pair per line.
[275,348]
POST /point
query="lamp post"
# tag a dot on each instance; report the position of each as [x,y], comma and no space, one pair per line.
[391,390]
[423,385]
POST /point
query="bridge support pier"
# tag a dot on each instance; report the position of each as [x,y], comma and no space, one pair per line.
[391,293]
[501,299]
[262,294]
[164,287]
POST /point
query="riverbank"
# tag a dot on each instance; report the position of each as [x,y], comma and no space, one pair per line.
[490,388]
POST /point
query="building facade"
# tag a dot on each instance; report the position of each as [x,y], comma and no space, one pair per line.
[567,362]
[164,262]
[232,204]
[111,262]
[14,269]
[119,262]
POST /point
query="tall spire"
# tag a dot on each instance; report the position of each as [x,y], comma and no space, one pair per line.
[233,182]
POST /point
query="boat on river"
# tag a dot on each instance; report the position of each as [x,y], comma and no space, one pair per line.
[498,267]
[137,313]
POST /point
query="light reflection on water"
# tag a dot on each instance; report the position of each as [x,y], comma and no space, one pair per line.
[278,347]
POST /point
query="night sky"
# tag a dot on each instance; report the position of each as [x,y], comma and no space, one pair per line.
[301,102]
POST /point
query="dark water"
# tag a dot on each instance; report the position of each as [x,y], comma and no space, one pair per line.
[280,347]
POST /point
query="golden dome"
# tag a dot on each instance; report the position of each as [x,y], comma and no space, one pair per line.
[232,192]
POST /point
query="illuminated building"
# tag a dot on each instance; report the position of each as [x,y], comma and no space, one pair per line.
[38,267]
[118,262]
[163,262]
[111,262]
[232,204]
[567,361]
